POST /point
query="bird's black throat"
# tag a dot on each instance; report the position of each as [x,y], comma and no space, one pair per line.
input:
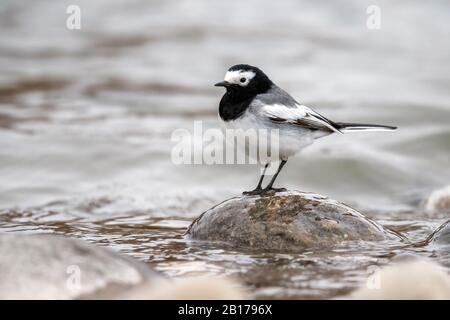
[237,99]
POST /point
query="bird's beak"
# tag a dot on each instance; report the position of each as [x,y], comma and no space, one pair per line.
[222,84]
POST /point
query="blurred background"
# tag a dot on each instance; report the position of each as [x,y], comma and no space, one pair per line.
[86,115]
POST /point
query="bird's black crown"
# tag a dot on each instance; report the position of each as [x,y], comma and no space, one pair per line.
[259,84]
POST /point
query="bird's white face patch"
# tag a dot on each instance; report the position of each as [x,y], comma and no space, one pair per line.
[239,77]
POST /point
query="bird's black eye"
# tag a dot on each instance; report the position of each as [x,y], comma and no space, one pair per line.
[242,80]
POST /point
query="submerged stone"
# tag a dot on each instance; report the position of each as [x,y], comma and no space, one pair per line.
[54,267]
[408,280]
[288,221]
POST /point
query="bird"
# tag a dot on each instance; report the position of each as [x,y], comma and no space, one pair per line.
[253,101]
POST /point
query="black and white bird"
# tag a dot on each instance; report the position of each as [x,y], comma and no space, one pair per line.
[253,101]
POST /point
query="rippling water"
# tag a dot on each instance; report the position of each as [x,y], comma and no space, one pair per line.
[86,118]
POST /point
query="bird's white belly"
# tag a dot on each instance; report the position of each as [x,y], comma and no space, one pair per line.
[284,140]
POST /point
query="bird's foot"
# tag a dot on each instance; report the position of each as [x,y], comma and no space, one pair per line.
[273,190]
[260,191]
[255,192]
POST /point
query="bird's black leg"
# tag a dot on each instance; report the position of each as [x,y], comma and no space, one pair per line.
[269,187]
[258,188]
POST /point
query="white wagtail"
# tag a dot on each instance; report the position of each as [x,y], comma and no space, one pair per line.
[253,101]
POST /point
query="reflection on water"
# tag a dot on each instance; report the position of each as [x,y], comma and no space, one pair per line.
[86,118]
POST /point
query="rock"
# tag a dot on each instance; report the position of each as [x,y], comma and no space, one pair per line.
[440,237]
[420,279]
[54,267]
[288,221]
[439,200]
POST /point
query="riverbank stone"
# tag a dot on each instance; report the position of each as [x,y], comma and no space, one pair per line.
[439,201]
[55,267]
[289,221]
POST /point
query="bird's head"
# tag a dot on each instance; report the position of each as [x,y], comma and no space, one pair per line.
[243,78]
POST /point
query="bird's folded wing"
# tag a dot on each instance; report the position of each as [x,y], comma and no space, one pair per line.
[299,115]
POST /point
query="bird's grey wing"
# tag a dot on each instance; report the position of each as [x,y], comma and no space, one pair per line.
[299,115]
[278,106]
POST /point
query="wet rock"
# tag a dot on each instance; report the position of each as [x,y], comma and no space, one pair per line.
[408,280]
[440,237]
[54,267]
[439,200]
[288,221]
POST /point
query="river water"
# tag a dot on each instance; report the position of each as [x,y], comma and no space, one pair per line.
[86,118]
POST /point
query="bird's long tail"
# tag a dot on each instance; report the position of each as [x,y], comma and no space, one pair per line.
[353,127]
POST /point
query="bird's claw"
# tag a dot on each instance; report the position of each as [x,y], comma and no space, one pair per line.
[273,190]
[255,192]
[260,191]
